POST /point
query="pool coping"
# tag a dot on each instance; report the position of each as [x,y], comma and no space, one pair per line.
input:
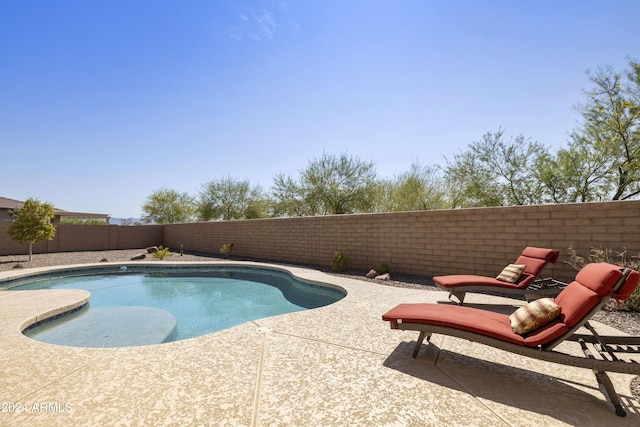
[334,365]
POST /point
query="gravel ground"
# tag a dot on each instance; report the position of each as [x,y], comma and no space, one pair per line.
[45,260]
[626,321]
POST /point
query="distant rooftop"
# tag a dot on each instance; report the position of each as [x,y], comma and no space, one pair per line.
[6,203]
[9,204]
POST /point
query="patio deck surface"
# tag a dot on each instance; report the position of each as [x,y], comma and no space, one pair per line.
[339,365]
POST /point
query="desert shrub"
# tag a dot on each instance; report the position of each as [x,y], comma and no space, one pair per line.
[340,262]
[104,260]
[226,249]
[383,268]
[18,266]
[608,255]
[161,253]
[633,302]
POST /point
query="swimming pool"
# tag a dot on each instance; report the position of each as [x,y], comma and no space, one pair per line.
[201,300]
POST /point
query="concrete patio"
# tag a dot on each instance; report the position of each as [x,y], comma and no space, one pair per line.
[338,365]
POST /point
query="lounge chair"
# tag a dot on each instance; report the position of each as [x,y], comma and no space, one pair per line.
[533,259]
[593,286]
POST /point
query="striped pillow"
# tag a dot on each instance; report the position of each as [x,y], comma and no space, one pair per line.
[511,273]
[534,315]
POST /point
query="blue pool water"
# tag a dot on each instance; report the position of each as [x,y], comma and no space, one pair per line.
[202,300]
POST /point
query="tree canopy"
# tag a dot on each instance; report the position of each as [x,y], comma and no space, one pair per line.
[329,185]
[32,223]
[227,198]
[612,128]
[167,206]
[420,188]
[495,172]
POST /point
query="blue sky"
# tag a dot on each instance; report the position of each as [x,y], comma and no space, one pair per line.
[104,102]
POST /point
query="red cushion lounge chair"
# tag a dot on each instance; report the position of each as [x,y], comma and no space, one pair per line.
[535,260]
[593,286]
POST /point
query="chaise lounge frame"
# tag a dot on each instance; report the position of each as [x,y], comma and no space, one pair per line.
[606,347]
[528,285]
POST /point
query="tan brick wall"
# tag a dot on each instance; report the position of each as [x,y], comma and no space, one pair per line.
[480,240]
[72,238]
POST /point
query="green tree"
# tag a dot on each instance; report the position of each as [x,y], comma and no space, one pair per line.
[603,157]
[420,188]
[574,174]
[288,198]
[166,206]
[611,130]
[493,172]
[32,223]
[227,199]
[329,185]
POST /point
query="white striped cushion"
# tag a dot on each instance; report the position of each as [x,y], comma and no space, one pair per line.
[534,315]
[511,273]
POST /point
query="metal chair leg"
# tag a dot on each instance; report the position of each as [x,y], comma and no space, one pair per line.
[610,392]
[421,338]
[605,382]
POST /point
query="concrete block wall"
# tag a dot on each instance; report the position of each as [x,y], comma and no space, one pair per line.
[75,238]
[475,241]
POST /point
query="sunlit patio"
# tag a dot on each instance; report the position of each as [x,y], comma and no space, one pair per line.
[337,365]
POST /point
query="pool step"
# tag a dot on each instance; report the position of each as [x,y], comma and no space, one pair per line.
[106,327]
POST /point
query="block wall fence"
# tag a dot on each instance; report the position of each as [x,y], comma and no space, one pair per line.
[77,238]
[478,240]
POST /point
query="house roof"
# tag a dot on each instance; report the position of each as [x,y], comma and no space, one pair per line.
[6,203]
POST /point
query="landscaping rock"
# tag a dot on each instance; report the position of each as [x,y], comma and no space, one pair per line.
[152,249]
[386,276]
[137,257]
[371,274]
